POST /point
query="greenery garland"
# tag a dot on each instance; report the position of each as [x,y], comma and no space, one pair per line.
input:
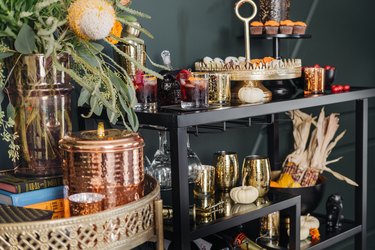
[42,26]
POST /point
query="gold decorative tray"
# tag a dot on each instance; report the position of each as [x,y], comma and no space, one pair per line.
[124,227]
[248,71]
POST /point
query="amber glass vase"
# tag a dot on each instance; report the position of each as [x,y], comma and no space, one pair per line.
[41,96]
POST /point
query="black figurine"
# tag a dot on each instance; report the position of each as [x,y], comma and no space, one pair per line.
[334,209]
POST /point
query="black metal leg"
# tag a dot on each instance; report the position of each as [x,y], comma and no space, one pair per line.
[295,222]
[180,188]
[273,142]
[361,171]
[276,48]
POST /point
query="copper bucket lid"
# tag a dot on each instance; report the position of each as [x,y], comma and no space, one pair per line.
[112,140]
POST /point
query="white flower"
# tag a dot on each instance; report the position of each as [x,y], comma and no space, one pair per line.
[91,20]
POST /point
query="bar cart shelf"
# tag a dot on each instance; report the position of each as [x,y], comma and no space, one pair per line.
[178,122]
[123,227]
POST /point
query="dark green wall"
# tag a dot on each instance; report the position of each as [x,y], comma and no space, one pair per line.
[342,37]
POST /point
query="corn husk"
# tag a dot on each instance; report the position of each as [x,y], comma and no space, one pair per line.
[311,151]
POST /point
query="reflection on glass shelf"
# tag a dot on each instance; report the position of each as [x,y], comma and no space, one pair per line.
[327,238]
[210,210]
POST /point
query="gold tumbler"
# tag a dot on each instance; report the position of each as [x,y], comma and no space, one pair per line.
[226,169]
[258,173]
[204,184]
[219,89]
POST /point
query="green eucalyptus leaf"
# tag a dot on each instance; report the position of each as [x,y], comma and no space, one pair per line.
[11,111]
[4,55]
[98,109]
[93,101]
[112,116]
[88,56]
[130,18]
[84,96]
[132,118]
[25,41]
[98,47]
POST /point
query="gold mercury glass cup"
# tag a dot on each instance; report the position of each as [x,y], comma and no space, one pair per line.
[270,226]
[226,169]
[219,89]
[314,81]
[258,173]
[204,184]
[85,203]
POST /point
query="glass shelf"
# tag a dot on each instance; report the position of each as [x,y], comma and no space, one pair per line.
[238,215]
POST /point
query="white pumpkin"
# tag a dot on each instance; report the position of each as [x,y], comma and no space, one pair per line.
[304,233]
[309,221]
[238,208]
[244,194]
[250,95]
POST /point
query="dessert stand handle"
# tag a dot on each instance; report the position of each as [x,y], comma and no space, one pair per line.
[246,21]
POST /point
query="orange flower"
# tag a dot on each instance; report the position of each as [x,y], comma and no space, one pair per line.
[314,233]
[116,31]
[125,2]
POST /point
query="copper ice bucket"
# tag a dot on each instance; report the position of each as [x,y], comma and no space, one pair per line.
[110,164]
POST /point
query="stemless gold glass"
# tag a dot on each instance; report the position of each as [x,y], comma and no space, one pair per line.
[204,184]
[258,172]
[314,81]
[219,89]
[226,169]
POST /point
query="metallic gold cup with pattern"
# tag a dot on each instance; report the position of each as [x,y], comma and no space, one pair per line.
[258,172]
[219,89]
[226,169]
[204,184]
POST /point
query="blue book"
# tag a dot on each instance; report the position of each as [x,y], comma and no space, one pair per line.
[33,197]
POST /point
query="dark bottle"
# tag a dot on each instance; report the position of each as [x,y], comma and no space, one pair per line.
[239,240]
[169,92]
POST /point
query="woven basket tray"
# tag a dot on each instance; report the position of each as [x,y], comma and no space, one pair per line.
[124,227]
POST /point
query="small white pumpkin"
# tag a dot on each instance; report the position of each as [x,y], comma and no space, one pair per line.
[303,233]
[244,194]
[250,95]
[309,221]
[237,208]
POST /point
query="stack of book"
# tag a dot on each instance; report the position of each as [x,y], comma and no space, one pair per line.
[41,193]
